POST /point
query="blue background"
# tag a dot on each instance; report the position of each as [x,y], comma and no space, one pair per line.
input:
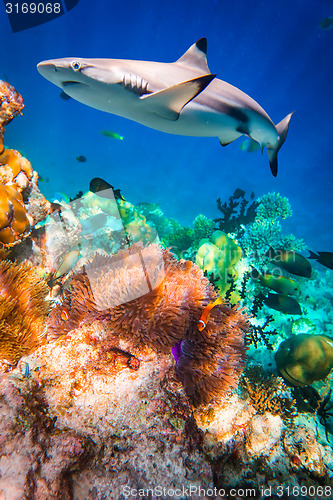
[273,51]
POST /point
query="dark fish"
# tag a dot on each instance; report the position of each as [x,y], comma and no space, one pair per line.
[81,158]
[327,23]
[238,193]
[43,179]
[324,258]
[118,195]
[278,283]
[64,96]
[98,185]
[291,261]
[282,303]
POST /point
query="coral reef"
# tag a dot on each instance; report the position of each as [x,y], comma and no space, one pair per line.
[23,309]
[84,423]
[161,318]
[22,204]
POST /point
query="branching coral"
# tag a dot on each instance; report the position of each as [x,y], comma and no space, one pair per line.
[203,227]
[266,230]
[258,333]
[236,212]
[161,315]
[23,309]
[273,205]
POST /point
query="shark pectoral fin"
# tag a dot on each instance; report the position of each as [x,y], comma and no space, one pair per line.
[229,137]
[169,102]
[225,143]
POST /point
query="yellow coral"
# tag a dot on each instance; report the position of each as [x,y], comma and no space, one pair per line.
[12,164]
[23,309]
[14,220]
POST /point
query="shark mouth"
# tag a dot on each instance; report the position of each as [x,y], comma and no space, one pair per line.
[72,83]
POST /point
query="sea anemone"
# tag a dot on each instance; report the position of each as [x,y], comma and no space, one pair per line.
[148,297]
[23,309]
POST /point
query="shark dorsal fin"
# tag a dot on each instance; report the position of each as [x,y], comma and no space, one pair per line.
[196,56]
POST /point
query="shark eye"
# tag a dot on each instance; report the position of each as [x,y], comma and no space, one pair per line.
[76,65]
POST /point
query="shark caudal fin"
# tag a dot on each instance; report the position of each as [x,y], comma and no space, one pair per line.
[282,130]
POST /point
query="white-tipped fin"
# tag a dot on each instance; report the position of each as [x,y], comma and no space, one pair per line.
[169,102]
[196,56]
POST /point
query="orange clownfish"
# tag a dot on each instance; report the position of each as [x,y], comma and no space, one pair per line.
[202,323]
[64,315]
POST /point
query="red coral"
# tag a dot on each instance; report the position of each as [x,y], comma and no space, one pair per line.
[210,361]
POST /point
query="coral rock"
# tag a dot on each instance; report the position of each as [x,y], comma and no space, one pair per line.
[21,203]
[11,104]
[263,434]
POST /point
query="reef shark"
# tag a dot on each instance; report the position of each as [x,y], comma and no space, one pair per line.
[181,98]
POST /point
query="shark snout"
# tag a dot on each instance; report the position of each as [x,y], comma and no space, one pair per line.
[47,70]
[55,73]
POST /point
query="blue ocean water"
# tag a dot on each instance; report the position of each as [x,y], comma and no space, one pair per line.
[274,51]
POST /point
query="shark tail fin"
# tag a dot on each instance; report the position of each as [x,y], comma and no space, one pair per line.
[282,129]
